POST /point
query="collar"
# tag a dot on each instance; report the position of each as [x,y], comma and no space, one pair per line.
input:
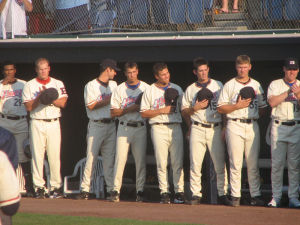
[133,87]
[244,83]
[165,87]
[105,84]
[202,85]
[44,82]
[289,84]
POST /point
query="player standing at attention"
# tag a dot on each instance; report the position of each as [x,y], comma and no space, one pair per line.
[101,133]
[166,133]
[132,131]
[242,100]
[45,132]
[284,97]
[205,128]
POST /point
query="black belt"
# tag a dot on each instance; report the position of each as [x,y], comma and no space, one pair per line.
[48,120]
[106,120]
[244,120]
[164,123]
[206,125]
[13,117]
[288,123]
[133,124]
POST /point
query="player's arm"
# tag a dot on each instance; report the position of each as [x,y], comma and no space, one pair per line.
[275,100]
[240,104]
[156,112]
[121,112]
[2,5]
[99,104]
[60,102]
[27,5]
[31,105]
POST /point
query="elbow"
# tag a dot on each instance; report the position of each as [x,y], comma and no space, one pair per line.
[143,115]
[113,114]
[219,110]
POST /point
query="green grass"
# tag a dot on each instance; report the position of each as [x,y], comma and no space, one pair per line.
[39,219]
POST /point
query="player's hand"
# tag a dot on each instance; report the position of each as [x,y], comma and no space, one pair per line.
[200,105]
[242,103]
[167,110]
[296,90]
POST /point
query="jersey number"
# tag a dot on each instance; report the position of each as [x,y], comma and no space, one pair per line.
[253,104]
[18,102]
[213,106]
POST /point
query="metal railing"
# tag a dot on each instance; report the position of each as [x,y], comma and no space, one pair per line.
[115,16]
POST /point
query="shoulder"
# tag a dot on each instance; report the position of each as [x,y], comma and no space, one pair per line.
[144,84]
[21,81]
[176,87]
[216,83]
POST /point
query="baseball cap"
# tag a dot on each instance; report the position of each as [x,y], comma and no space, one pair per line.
[291,63]
[110,63]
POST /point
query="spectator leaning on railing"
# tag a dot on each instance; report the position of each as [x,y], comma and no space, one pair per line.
[13,18]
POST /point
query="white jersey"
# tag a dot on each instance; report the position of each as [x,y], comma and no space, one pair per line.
[11,98]
[289,109]
[154,98]
[124,96]
[13,18]
[209,115]
[33,88]
[94,91]
[230,94]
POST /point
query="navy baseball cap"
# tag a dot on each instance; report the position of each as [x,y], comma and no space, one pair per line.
[291,63]
[110,63]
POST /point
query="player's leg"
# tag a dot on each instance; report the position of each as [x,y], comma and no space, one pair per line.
[176,155]
[38,144]
[138,148]
[95,137]
[53,153]
[160,139]
[122,148]
[197,152]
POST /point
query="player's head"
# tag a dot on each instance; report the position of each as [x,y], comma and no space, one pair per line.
[42,68]
[109,67]
[291,69]
[131,71]
[243,66]
[161,73]
[201,69]
[9,69]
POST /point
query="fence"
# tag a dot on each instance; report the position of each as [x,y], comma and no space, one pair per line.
[113,16]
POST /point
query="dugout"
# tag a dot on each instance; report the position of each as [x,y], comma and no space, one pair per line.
[75,62]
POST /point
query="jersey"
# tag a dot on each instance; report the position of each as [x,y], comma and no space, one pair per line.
[11,98]
[289,109]
[124,96]
[8,146]
[94,91]
[209,115]
[230,94]
[33,88]
[153,98]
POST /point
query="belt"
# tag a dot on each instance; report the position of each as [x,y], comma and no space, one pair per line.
[206,125]
[165,123]
[48,120]
[105,120]
[13,117]
[288,123]
[133,124]
[245,120]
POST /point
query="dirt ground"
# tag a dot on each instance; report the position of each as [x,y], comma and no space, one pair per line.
[200,214]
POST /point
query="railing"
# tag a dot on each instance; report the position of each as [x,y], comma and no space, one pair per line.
[115,16]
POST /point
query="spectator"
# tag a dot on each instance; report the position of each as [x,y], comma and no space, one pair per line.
[72,15]
[13,18]
[235,8]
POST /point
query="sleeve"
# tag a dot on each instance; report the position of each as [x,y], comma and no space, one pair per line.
[224,96]
[272,90]
[89,95]
[180,97]
[146,100]
[261,97]
[186,101]
[115,102]
[26,94]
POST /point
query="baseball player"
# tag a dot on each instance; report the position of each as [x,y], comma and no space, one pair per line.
[132,130]
[284,97]
[205,128]
[13,117]
[9,190]
[45,132]
[242,131]
[166,133]
[101,133]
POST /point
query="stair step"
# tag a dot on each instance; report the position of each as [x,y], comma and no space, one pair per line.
[234,28]
[230,16]
[237,23]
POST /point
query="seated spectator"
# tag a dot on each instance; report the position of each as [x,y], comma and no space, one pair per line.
[13,18]
[72,15]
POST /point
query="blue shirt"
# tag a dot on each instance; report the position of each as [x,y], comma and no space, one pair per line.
[67,4]
[8,145]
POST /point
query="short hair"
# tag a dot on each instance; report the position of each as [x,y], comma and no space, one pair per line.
[6,63]
[39,60]
[242,59]
[199,62]
[130,65]
[159,67]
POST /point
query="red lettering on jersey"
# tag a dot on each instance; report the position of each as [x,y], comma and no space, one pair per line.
[63,90]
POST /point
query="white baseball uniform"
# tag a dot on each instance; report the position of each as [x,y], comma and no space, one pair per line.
[131,132]
[13,114]
[45,132]
[242,135]
[206,132]
[101,133]
[285,139]
[9,185]
[166,136]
